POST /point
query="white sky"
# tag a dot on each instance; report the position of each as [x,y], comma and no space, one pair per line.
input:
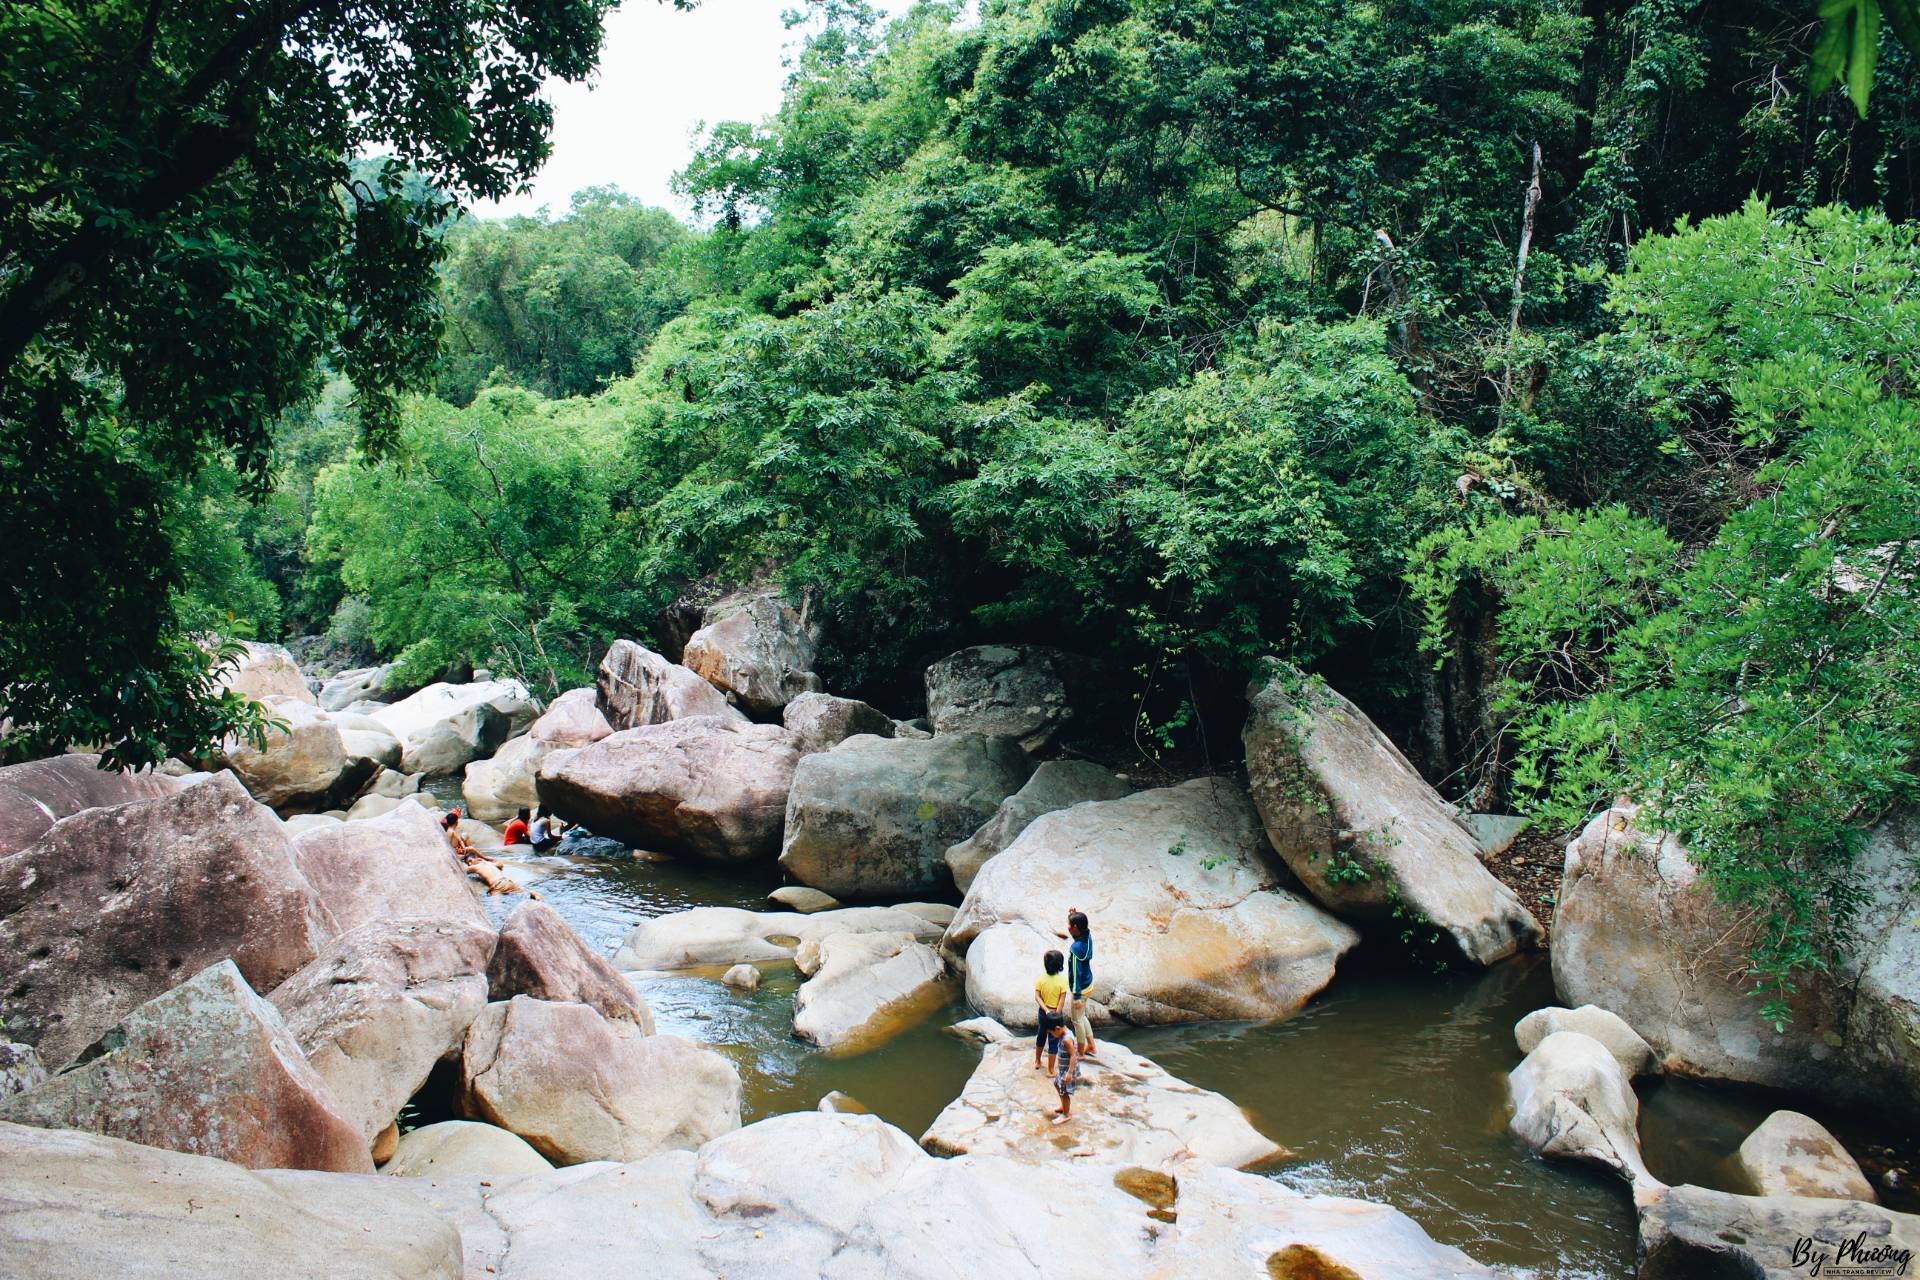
[663,72]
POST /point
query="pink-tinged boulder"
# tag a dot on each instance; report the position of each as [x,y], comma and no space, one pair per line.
[580,1088]
[263,671]
[396,865]
[757,649]
[572,720]
[75,1206]
[114,906]
[37,794]
[540,955]
[638,687]
[209,1068]
[1362,829]
[381,1005]
[705,787]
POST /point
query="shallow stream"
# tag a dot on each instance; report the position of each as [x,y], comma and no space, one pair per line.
[1390,1086]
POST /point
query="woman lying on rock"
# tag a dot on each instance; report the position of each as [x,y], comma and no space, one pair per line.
[488,871]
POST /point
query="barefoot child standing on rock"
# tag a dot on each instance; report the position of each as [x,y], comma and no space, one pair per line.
[1050,991]
[1079,975]
[1063,1048]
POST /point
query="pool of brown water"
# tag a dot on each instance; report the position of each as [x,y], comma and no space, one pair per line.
[1390,1086]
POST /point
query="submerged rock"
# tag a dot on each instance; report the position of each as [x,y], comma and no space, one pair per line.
[702,786]
[1128,1111]
[578,1087]
[1790,1154]
[113,907]
[1691,1233]
[210,1068]
[1013,691]
[730,935]
[1363,830]
[1190,915]
[875,816]
[74,1206]
[1057,784]
[798,897]
[743,978]
[37,794]
[455,1147]
[862,985]
[540,955]
[757,649]
[638,687]
[1572,1101]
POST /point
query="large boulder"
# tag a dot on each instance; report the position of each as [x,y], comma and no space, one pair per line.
[396,865]
[1057,784]
[74,1206]
[498,787]
[444,726]
[263,672]
[370,746]
[362,684]
[819,721]
[1572,1101]
[1363,830]
[865,985]
[1637,930]
[114,906]
[210,1068]
[1013,691]
[37,794]
[1691,1233]
[1882,963]
[638,687]
[454,1147]
[1130,1112]
[571,720]
[875,816]
[1191,916]
[300,761]
[757,649]
[579,1087]
[730,935]
[1791,1154]
[1635,1055]
[843,1195]
[383,1003]
[703,786]
[539,955]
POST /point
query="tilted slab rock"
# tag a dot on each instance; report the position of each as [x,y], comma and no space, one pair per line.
[300,761]
[756,648]
[820,721]
[540,955]
[1691,1233]
[1635,1055]
[864,985]
[37,794]
[393,866]
[798,897]
[1057,784]
[581,1088]
[1362,829]
[454,1147]
[1791,1154]
[846,1196]
[638,687]
[701,786]
[1014,691]
[74,1206]
[1128,1111]
[263,671]
[361,684]
[1190,914]
[505,782]
[114,906]
[443,726]
[383,1003]
[875,816]
[571,720]
[730,935]
[209,1068]
[1572,1101]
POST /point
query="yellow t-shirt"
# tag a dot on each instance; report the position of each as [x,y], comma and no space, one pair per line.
[1050,988]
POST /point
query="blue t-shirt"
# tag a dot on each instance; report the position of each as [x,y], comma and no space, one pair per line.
[1080,964]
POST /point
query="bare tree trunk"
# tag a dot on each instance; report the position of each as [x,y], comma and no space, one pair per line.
[1526,247]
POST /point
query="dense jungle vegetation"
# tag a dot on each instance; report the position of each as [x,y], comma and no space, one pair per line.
[1539,371]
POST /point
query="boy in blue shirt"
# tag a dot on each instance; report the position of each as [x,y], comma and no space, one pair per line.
[1079,975]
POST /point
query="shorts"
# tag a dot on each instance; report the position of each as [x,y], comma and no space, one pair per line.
[1063,1082]
[1047,1021]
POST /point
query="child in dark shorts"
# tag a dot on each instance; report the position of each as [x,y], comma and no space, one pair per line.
[1066,1050]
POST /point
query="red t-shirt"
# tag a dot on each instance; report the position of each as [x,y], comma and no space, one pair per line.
[515,832]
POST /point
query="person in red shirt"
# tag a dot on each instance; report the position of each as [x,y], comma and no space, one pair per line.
[515,832]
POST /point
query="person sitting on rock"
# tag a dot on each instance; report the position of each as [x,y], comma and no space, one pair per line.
[1050,991]
[488,871]
[515,832]
[1063,1047]
[1079,976]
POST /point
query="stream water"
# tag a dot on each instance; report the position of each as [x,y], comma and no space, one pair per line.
[1389,1086]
